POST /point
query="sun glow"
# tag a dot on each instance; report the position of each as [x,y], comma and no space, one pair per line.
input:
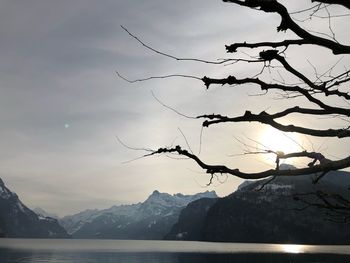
[292,248]
[277,141]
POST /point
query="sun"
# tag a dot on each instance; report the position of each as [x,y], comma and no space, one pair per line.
[275,140]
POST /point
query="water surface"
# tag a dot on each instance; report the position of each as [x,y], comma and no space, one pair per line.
[120,251]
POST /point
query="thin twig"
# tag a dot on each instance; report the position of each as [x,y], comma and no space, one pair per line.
[171,108]
[183,135]
[157,77]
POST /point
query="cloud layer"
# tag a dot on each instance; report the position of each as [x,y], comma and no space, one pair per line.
[62,104]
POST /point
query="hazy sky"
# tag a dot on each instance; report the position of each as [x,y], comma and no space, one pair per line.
[62,105]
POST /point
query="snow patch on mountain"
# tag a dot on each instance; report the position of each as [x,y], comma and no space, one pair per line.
[4,192]
[156,205]
[43,213]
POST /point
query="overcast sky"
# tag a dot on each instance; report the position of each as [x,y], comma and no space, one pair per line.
[62,104]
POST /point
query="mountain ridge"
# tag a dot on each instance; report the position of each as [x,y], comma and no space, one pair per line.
[17,220]
[150,219]
[265,211]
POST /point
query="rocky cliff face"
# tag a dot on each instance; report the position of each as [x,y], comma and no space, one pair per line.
[191,220]
[268,213]
[17,220]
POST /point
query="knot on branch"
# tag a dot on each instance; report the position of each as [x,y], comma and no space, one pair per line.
[206,81]
[211,171]
[232,48]
[177,149]
[248,113]
[317,157]
[268,55]
[343,132]
[229,80]
[283,26]
[162,150]
[264,114]
[217,169]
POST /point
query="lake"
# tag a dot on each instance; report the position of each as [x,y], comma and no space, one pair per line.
[120,251]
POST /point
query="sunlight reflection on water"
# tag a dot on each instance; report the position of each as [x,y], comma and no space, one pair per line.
[120,251]
[157,246]
[293,248]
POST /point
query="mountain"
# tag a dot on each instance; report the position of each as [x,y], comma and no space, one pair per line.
[151,219]
[17,220]
[41,212]
[263,211]
[191,220]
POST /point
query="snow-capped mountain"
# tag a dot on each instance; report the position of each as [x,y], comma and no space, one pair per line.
[74,223]
[163,204]
[151,219]
[17,220]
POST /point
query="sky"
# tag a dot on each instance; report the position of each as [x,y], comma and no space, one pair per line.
[62,105]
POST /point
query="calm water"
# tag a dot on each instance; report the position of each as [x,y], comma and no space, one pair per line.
[93,251]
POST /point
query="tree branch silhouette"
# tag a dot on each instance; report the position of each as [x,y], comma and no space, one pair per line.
[319,90]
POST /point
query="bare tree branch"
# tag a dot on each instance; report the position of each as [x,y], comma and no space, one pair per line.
[344,3]
[285,43]
[218,62]
[266,118]
[273,6]
[315,89]
[231,80]
[222,169]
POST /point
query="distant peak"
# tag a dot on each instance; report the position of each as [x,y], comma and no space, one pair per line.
[155,192]
[209,194]
[1,182]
